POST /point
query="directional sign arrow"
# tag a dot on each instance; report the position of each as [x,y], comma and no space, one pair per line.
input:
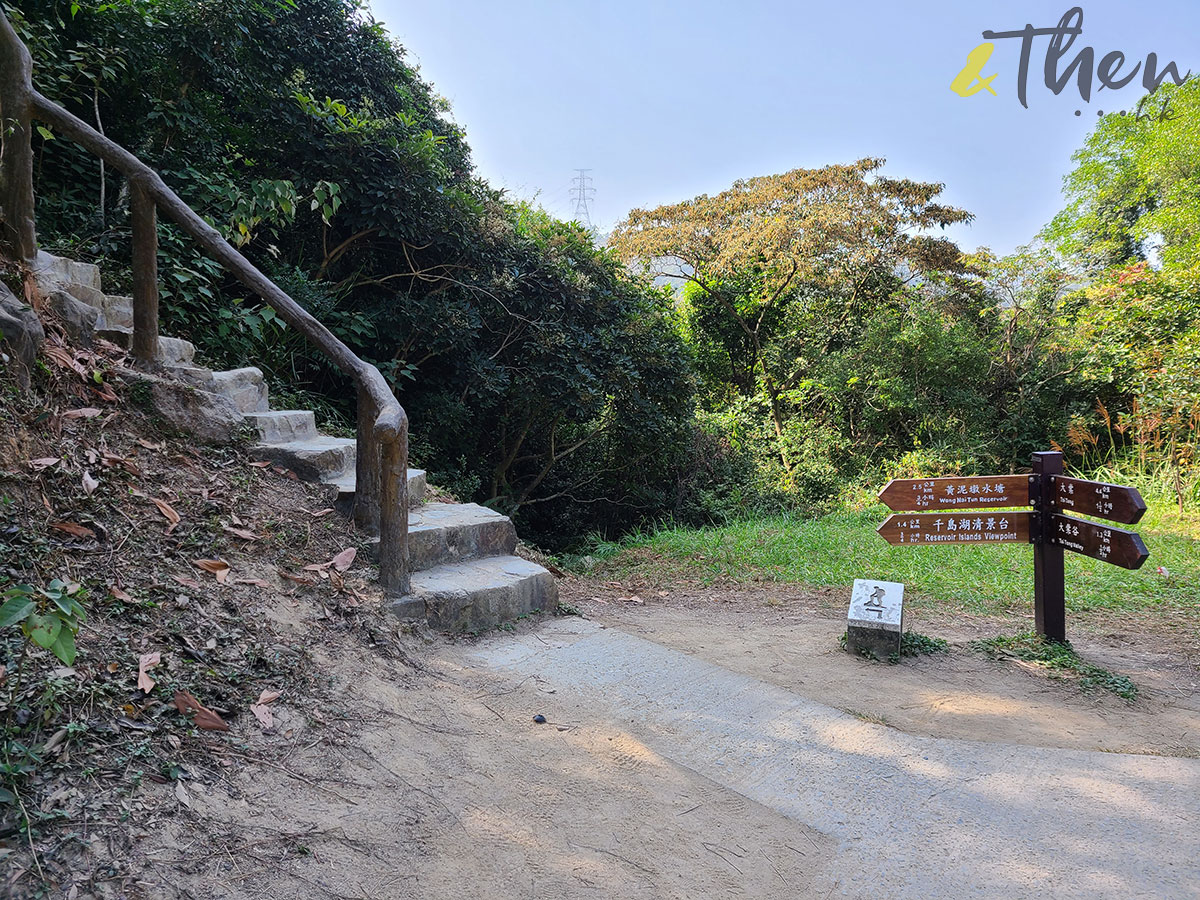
[1103,542]
[1095,498]
[982,492]
[957,528]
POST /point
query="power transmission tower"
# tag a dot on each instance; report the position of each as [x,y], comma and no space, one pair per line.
[583,192]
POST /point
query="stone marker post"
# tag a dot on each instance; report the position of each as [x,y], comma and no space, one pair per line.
[876,618]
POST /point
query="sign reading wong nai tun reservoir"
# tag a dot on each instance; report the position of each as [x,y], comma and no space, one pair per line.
[979,510]
[946,493]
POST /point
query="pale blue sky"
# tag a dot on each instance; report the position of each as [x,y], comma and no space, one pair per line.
[665,100]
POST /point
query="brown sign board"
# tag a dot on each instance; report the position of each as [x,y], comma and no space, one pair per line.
[957,528]
[982,492]
[1103,542]
[972,513]
[1095,498]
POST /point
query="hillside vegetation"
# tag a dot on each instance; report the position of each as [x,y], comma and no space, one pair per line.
[830,336]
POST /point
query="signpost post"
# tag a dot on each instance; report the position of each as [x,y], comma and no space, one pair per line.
[969,513]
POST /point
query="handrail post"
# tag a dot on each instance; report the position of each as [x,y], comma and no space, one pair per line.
[381,494]
[16,151]
[144,218]
[393,516]
[367,465]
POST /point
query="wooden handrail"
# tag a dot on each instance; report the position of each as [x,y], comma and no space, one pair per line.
[381,492]
[16,151]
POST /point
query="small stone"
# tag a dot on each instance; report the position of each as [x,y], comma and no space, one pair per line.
[77,318]
[21,336]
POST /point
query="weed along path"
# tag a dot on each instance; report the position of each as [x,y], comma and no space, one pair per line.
[907,816]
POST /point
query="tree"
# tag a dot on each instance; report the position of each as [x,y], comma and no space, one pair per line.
[1135,188]
[793,261]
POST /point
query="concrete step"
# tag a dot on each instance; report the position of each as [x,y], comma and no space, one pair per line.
[277,426]
[478,594]
[175,351]
[117,311]
[322,458]
[244,387]
[441,533]
[56,273]
[171,351]
[197,376]
[346,483]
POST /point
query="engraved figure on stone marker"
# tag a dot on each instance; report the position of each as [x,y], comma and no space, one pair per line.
[875,603]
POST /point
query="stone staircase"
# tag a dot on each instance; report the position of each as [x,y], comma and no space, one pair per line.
[465,574]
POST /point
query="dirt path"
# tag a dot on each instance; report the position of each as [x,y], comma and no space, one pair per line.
[790,640]
[685,756]
[436,783]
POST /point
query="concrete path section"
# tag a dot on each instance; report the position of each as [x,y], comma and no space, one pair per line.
[914,817]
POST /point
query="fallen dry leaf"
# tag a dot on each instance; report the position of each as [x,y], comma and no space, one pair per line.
[299,579]
[146,662]
[268,696]
[218,567]
[320,512]
[117,594]
[263,715]
[261,464]
[168,512]
[241,532]
[46,462]
[344,560]
[74,529]
[634,599]
[181,794]
[88,412]
[187,582]
[205,717]
[113,667]
[150,446]
[129,465]
[257,582]
[89,484]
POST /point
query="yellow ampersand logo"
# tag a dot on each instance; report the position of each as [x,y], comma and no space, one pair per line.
[969,81]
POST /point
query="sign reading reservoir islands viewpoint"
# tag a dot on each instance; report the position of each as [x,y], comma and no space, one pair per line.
[957,528]
[979,511]
[985,492]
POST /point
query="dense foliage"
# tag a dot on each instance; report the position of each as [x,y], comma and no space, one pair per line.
[836,336]
[1131,235]
[540,377]
[827,332]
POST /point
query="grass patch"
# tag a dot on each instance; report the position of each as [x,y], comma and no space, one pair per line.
[914,644]
[1057,659]
[835,549]
[911,644]
[872,718]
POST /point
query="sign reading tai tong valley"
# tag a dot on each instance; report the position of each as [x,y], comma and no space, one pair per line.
[981,510]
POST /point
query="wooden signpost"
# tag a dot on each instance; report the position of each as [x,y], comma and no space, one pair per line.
[969,512]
